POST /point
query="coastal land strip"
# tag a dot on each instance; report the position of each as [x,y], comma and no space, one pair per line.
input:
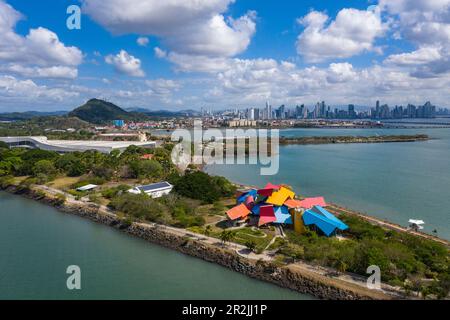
[321,282]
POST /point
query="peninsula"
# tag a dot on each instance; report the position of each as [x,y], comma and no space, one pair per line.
[194,218]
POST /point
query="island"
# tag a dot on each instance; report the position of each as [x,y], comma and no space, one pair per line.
[353,139]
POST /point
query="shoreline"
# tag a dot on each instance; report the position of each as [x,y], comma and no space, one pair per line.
[300,277]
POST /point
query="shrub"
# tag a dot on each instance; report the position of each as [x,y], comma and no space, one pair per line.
[201,186]
[141,206]
[115,191]
[6,181]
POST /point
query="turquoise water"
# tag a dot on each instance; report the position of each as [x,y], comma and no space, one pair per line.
[37,243]
[393,181]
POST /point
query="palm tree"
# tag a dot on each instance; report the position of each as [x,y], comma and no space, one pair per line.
[251,245]
[226,236]
[208,230]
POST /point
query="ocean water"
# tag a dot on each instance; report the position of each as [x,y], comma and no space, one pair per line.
[38,243]
[393,181]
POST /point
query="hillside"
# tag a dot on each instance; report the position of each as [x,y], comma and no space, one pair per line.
[99,111]
[18,116]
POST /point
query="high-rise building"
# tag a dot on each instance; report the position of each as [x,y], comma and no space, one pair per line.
[351,111]
[268,111]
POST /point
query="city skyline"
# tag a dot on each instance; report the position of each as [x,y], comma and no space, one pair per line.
[323,111]
[223,53]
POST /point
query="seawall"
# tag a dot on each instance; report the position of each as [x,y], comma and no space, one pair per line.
[289,276]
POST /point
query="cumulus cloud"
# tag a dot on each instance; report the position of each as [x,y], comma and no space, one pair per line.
[12,88]
[163,86]
[186,27]
[425,23]
[126,64]
[40,50]
[421,56]
[351,33]
[54,72]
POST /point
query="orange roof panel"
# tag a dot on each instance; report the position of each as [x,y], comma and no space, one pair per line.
[240,211]
[291,203]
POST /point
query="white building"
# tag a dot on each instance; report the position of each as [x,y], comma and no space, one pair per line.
[64,146]
[155,190]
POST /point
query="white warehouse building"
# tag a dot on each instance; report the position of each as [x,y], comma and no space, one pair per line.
[155,190]
[64,146]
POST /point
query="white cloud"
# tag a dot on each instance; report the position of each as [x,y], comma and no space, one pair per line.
[160,53]
[425,23]
[340,72]
[126,64]
[40,49]
[55,72]
[186,27]
[163,86]
[142,41]
[27,90]
[351,33]
[418,57]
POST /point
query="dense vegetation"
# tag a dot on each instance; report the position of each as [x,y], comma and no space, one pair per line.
[53,127]
[201,186]
[172,209]
[18,116]
[404,260]
[47,165]
[93,167]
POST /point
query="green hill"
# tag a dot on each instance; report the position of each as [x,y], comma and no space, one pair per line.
[100,111]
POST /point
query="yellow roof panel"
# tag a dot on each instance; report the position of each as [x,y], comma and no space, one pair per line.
[278,198]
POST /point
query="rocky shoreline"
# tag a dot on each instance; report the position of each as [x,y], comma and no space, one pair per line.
[301,281]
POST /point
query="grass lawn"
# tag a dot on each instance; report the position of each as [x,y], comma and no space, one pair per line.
[63,182]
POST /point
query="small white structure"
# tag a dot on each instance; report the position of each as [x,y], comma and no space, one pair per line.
[155,190]
[87,187]
[416,225]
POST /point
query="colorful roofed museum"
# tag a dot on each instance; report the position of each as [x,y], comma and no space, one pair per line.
[277,204]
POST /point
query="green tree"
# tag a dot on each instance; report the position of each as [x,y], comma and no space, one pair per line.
[250,245]
[200,185]
[44,167]
[226,236]
[208,230]
[146,169]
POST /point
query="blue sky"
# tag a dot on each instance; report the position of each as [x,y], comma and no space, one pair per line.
[223,53]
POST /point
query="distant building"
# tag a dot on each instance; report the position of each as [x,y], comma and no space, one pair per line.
[241,123]
[155,190]
[119,123]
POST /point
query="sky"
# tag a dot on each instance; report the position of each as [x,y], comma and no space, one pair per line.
[220,54]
